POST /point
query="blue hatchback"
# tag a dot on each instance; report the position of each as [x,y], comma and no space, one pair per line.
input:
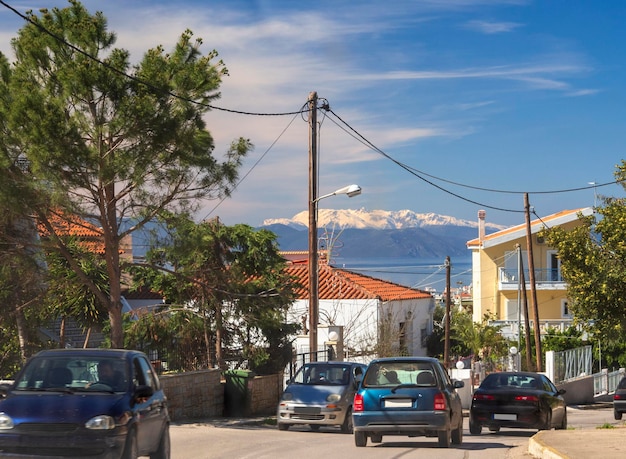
[408,396]
[96,403]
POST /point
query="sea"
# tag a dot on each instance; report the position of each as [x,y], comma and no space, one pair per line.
[424,274]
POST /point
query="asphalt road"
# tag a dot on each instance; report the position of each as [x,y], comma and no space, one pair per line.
[221,439]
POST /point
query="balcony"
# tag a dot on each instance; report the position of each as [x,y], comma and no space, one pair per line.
[545,279]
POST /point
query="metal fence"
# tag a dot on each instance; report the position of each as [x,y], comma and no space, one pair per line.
[572,363]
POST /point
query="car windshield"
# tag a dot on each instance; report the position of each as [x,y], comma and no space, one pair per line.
[325,374]
[509,381]
[73,374]
[396,373]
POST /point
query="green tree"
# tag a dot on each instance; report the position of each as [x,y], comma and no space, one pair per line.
[106,146]
[593,263]
[234,278]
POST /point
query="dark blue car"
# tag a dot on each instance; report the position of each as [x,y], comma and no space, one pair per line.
[95,403]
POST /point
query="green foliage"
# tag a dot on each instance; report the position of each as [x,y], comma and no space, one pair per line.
[593,263]
[232,277]
[481,340]
[106,145]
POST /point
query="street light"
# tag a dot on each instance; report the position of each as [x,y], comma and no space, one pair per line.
[351,191]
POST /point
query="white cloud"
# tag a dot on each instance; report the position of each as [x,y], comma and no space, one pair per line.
[491,27]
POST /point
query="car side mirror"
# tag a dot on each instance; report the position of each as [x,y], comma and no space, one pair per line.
[143,392]
[4,389]
[561,391]
[457,384]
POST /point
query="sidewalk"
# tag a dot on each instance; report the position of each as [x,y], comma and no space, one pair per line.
[579,444]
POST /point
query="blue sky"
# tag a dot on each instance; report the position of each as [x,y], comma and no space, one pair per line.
[509,95]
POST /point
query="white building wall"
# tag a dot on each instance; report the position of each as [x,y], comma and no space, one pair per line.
[360,320]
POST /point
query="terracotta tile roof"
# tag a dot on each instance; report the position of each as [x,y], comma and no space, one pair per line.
[336,283]
[90,235]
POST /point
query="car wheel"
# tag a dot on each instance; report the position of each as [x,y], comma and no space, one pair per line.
[346,427]
[445,438]
[563,425]
[360,438]
[130,449]
[163,452]
[457,434]
[283,426]
[617,415]
[376,438]
[548,424]
[475,428]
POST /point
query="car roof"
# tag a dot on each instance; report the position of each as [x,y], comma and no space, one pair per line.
[88,352]
[405,359]
[334,362]
[516,373]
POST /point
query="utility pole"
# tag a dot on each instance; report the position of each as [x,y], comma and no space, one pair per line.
[529,362]
[446,345]
[313,262]
[531,278]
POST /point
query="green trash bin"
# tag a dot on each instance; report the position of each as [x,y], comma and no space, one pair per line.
[237,393]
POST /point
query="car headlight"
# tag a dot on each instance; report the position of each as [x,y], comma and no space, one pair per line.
[5,422]
[332,398]
[101,422]
[287,396]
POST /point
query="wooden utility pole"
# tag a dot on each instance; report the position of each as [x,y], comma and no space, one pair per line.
[446,345]
[313,273]
[529,362]
[531,278]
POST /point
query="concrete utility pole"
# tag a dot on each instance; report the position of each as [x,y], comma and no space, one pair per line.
[446,345]
[531,278]
[313,261]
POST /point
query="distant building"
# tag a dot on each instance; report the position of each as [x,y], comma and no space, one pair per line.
[496,275]
[373,314]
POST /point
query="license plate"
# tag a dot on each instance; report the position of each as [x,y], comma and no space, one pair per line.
[398,403]
[307,410]
[505,417]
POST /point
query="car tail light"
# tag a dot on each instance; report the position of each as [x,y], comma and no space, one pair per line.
[357,405]
[440,402]
[484,397]
[526,398]
[618,397]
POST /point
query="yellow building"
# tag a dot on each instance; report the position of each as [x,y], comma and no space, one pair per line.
[496,262]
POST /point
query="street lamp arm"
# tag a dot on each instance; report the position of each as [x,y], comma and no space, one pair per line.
[350,190]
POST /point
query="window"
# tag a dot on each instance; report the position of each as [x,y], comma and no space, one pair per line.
[512,310]
[565,312]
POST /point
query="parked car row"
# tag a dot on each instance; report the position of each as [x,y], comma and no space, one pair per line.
[414,396]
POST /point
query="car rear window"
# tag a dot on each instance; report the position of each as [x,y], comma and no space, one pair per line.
[394,373]
[496,381]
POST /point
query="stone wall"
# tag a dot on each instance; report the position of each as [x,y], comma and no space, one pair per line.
[200,394]
[194,394]
[265,392]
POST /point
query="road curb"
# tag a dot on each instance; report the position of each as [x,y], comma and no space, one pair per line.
[537,448]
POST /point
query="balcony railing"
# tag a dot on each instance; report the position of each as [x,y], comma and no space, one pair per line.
[544,278]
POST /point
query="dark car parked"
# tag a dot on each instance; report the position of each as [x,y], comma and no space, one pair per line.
[96,403]
[320,394]
[517,399]
[407,396]
[619,400]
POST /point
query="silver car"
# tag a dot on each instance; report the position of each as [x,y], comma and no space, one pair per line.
[320,394]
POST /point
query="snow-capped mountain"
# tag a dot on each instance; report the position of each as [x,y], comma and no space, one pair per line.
[376,219]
